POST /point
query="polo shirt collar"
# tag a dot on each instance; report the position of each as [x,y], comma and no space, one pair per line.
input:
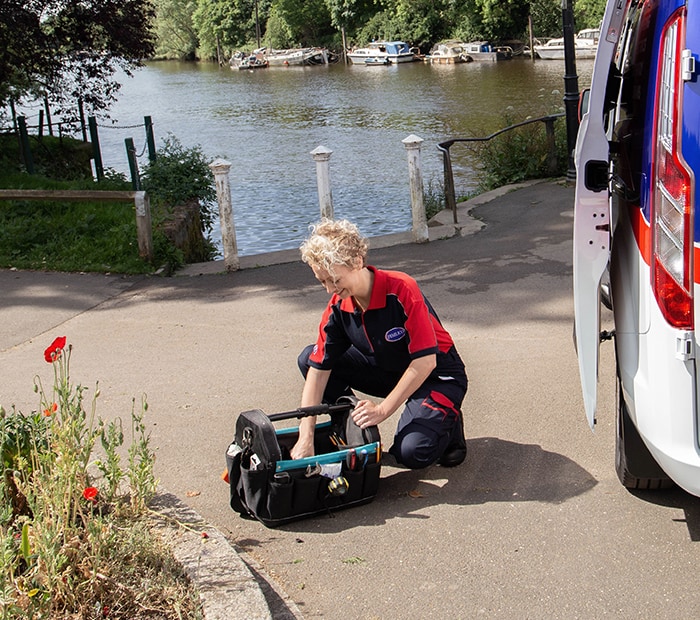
[378,297]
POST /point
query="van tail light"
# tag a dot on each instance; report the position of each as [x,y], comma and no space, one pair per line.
[671,207]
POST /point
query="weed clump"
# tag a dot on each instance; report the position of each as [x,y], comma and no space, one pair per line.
[75,536]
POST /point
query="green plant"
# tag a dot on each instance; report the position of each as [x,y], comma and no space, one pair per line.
[433,198]
[74,544]
[520,154]
[177,176]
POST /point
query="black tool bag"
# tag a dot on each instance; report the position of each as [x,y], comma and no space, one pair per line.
[266,484]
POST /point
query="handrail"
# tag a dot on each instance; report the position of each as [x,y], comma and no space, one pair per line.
[444,148]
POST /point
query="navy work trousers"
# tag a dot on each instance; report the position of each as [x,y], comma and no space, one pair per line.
[428,419]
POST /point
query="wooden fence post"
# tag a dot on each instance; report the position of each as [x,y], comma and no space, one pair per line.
[220,168]
[322,156]
[420,223]
[150,140]
[133,163]
[24,144]
[144,230]
[48,114]
[81,114]
[96,152]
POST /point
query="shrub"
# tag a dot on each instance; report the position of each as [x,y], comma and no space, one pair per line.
[433,198]
[520,154]
[179,175]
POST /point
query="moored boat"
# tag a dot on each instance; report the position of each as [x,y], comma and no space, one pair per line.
[253,62]
[448,53]
[296,57]
[394,52]
[483,51]
[585,46]
[374,61]
[282,58]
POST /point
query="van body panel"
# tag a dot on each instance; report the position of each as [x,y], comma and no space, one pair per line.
[655,361]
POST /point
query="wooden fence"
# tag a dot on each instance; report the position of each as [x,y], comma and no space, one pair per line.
[139,198]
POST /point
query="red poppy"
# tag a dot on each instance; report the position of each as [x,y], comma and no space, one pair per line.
[54,351]
[52,409]
[90,494]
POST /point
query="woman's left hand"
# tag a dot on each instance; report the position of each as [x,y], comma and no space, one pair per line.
[368,413]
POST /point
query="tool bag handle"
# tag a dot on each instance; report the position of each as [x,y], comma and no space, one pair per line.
[304,412]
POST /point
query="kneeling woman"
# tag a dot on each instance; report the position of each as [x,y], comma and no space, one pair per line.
[380,335]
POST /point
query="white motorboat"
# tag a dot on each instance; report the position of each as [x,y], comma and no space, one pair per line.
[448,53]
[395,52]
[585,46]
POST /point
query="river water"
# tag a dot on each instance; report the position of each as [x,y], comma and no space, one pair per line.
[267,122]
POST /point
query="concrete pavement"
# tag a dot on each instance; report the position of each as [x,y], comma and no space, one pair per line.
[534,524]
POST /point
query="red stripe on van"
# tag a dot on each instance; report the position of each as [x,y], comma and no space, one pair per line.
[642,235]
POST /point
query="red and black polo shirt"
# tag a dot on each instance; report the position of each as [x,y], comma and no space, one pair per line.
[398,326]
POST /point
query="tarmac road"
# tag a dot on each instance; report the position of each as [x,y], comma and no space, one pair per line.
[533,525]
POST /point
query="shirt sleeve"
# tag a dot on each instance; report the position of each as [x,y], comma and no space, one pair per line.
[419,321]
[332,341]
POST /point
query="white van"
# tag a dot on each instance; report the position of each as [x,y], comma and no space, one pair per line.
[636,155]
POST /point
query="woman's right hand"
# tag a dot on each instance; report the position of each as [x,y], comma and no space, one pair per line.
[302,448]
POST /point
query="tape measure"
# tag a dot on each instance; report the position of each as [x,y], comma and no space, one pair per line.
[338,486]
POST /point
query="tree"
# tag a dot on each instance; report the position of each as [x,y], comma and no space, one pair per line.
[504,19]
[225,25]
[546,18]
[588,13]
[71,49]
[22,47]
[176,35]
[309,20]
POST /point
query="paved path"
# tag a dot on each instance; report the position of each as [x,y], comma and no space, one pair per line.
[533,525]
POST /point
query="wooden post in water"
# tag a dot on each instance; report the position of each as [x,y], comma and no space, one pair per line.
[322,157]
[220,168]
[420,223]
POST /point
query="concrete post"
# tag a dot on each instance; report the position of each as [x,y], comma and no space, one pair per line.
[420,223]
[322,156]
[144,229]
[220,168]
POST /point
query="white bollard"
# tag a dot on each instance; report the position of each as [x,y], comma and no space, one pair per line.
[322,156]
[420,223]
[220,168]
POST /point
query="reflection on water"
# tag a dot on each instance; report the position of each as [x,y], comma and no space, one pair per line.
[267,122]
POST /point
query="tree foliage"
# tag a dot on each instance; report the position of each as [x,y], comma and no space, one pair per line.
[175,30]
[71,49]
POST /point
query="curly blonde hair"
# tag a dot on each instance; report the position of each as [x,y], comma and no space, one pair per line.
[332,243]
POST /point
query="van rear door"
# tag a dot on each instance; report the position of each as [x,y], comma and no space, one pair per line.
[592,210]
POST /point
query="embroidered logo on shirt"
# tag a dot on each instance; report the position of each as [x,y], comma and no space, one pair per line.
[395,334]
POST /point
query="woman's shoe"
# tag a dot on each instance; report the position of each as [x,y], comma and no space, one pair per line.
[456,450]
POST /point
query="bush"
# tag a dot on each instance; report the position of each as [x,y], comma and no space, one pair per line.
[433,198]
[520,154]
[179,175]
[75,541]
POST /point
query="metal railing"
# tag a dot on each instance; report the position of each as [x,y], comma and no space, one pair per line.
[444,148]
